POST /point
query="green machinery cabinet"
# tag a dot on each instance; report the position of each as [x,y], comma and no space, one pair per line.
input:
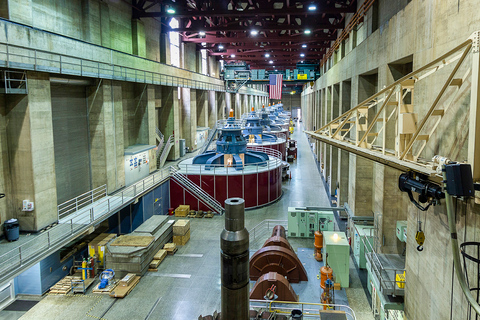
[337,252]
[401,230]
[302,222]
[362,243]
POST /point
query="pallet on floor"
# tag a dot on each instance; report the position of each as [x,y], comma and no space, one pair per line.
[64,286]
[109,288]
[122,291]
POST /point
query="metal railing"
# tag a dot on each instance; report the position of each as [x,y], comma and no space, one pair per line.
[388,283]
[22,257]
[263,230]
[14,82]
[81,201]
[201,195]
[309,310]
[166,150]
[161,139]
[210,138]
[25,58]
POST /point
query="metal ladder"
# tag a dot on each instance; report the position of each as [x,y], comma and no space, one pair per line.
[201,195]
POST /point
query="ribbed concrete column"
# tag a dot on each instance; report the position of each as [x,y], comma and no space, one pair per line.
[212,109]
[31,153]
[189,117]
[229,103]
[328,148]
[237,112]
[139,45]
[105,118]
[96,13]
[334,179]
[221,104]
[169,118]
[202,108]
[5,185]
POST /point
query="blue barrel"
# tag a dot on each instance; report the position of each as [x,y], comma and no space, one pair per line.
[11,229]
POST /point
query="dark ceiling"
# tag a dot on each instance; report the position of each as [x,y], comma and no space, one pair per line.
[281,26]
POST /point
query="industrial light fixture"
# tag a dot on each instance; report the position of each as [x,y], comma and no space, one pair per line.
[271,61]
[254,32]
[232,56]
[267,55]
[220,47]
[304,45]
[308,31]
[204,44]
[170,10]
[302,55]
[202,33]
[312,7]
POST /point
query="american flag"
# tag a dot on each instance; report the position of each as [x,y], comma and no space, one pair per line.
[276,86]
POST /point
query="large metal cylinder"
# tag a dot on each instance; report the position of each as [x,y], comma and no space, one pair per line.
[234,244]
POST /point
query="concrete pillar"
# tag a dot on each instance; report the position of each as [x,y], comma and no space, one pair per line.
[212,109]
[229,104]
[343,156]
[190,62]
[202,108]
[31,153]
[189,117]
[237,112]
[136,128]
[96,22]
[139,45]
[334,179]
[328,148]
[5,184]
[105,118]
[221,104]
[389,205]
[169,115]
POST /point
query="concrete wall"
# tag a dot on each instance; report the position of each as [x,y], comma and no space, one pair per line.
[418,32]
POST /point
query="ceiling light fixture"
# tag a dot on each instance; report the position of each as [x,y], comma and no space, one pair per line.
[302,55]
[267,55]
[271,61]
[304,45]
[254,32]
[204,44]
[170,11]
[312,7]
[232,56]
[308,31]
[220,47]
[202,33]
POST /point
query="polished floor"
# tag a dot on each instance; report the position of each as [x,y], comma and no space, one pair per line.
[188,283]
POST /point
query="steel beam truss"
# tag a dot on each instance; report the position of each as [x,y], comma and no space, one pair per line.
[363,129]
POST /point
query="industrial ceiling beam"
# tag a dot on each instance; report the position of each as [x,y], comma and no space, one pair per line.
[268,27]
[243,39]
[248,13]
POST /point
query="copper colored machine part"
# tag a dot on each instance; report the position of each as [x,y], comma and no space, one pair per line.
[283,289]
[277,259]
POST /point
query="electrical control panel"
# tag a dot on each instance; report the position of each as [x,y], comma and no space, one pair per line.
[303,222]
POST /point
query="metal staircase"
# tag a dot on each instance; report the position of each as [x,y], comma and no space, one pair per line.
[201,195]
[14,82]
[210,138]
[164,151]
[161,139]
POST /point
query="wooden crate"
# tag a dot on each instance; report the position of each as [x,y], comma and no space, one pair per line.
[181,227]
[127,280]
[181,240]
[182,211]
[171,248]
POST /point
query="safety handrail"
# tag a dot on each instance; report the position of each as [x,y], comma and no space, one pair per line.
[266,225]
[210,138]
[193,187]
[166,150]
[42,60]
[309,310]
[13,262]
[81,201]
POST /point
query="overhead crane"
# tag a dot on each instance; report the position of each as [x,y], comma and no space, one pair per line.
[363,131]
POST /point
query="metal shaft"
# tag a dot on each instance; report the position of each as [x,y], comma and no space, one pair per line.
[234,244]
